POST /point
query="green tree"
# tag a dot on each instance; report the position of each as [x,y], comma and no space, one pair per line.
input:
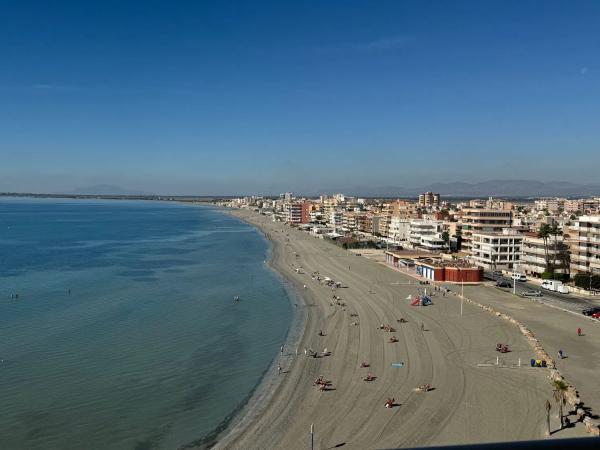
[586,280]
[446,238]
[544,234]
[560,397]
[555,231]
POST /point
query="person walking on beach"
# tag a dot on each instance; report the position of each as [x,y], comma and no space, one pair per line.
[560,354]
[278,369]
[578,331]
[305,351]
[422,326]
[281,350]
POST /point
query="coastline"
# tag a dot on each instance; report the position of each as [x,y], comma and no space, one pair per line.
[265,389]
[279,415]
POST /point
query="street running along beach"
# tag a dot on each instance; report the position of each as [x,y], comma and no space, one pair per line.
[357,374]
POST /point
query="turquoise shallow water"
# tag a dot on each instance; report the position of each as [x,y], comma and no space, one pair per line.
[148,350]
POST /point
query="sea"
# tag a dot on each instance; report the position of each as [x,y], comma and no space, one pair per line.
[118,328]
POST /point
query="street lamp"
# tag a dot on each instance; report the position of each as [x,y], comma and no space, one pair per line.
[462,290]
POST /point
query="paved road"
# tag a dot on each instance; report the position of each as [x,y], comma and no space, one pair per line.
[566,301]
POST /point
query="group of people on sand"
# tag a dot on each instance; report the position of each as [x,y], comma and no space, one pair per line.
[314,354]
[321,383]
[387,328]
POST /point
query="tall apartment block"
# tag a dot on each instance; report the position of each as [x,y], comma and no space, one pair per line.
[584,238]
[481,220]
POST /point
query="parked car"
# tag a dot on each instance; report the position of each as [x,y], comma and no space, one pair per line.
[590,311]
[555,286]
[504,284]
[531,293]
[518,276]
[596,315]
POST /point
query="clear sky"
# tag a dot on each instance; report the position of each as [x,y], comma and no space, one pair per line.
[208,97]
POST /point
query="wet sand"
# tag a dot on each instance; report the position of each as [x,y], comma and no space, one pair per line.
[473,400]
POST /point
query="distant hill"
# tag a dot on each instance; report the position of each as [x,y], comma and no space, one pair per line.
[106,189]
[496,188]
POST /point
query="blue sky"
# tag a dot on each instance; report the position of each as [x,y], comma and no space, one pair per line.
[231,97]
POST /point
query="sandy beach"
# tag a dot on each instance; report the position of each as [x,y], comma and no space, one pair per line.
[473,400]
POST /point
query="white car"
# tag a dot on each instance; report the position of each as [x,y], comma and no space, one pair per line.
[518,276]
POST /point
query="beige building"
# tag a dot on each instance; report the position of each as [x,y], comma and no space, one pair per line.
[584,239]
[494,203]
[482,220]
[429,199]
[533,259]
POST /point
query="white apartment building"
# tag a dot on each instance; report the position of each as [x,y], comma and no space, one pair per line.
[426,234]
[350,221]
[336,220]
[533,258]
[496,251]
[584,237]
[399,230]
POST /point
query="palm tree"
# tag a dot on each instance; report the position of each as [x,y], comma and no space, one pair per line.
[446,238]
[548,408]
[543,234]
[555,231]
[560,390]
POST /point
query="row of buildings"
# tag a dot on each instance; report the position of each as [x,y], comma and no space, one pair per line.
[491,233]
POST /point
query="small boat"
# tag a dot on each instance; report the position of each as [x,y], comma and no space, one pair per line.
[236,299]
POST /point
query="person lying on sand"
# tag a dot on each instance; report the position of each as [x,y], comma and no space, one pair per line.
[389,402]
[423,388]
[369,377]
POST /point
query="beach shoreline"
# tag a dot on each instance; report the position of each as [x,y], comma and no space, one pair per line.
[266,387]
[279,415]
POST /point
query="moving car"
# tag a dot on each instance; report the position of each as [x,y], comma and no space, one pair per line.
[591,311]
[504,284]
[531,293]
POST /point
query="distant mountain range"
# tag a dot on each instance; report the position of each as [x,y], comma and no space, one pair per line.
[496,188]
[106,189]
